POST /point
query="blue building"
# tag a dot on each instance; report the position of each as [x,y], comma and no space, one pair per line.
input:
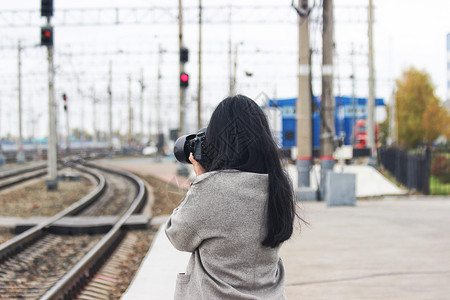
[347,111]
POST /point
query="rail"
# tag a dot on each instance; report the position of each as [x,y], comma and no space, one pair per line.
[20,241]
[77,277]
[12,173]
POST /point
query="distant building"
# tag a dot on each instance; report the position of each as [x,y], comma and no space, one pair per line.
[347,111]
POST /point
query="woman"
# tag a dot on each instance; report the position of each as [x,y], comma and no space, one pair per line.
[238,211]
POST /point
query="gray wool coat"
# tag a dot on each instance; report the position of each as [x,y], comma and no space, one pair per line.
[222,222]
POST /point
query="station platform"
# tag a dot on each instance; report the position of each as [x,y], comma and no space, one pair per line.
[384,248]
[369,182]
[392,247]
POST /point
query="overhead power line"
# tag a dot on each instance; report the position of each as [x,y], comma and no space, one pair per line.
[163,15]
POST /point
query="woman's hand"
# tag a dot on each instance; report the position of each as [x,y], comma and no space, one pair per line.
[198,168]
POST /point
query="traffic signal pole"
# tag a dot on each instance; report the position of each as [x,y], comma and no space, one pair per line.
[184,82]
[52,170]
[47,40]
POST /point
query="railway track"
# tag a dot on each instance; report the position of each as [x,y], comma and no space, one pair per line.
[40,265]
[11,178]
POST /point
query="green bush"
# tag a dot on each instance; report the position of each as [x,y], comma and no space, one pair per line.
[440,167]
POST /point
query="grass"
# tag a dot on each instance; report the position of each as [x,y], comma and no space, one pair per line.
[390,177]
[439,188]
[436,186]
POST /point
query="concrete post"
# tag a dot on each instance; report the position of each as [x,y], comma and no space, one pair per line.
[371,143]
[52,170]
[20,153]
[327,110]
[303,104]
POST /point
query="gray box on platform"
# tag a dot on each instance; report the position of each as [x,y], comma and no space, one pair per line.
[306,194]
[340,189]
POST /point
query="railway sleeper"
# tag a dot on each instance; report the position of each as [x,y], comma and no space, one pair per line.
[77,225]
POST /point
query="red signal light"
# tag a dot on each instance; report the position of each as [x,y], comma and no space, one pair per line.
[47,36]
[184,80]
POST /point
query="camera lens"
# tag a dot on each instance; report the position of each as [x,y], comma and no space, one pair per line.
[182,148]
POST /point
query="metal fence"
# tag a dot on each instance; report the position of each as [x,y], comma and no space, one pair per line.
[440,171]
[412,170]
[424,170]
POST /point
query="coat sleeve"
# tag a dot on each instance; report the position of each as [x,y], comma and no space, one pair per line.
[184,225]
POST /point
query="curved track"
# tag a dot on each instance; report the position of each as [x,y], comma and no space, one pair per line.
[8,179]
[37,264]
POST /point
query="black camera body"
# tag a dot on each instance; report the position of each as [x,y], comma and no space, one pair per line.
[192,143]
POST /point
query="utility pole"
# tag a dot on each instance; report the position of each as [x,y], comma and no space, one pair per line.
[66,110]
[130,113]
[158,92]
[141,112]
[52,168]
[182,129]
[82,96]
[371,99]
[327,110]
[303,104]
[392,121]
[354,115]
[2,157]
[94,116]
[230,60]
[199,90]
[233,85]
[110,135]
[20,154]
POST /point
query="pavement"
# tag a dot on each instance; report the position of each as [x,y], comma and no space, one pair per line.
[369,182]
[387,247]
[394,247]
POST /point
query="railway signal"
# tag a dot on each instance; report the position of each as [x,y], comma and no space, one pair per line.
[64,97]
[184,54]
[47,36]
[46,8]
[184,80]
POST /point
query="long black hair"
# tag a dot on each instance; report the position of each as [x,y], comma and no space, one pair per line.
[238,137]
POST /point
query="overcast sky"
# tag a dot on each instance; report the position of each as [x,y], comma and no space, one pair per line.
[406,33]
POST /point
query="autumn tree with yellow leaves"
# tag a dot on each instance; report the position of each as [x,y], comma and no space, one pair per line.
[420,115]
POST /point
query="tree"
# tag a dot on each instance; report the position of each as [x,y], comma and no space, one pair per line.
[384,128]
[77,133]
[436,121]
[419,114]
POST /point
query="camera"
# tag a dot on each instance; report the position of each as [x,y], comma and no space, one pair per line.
[192,143]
